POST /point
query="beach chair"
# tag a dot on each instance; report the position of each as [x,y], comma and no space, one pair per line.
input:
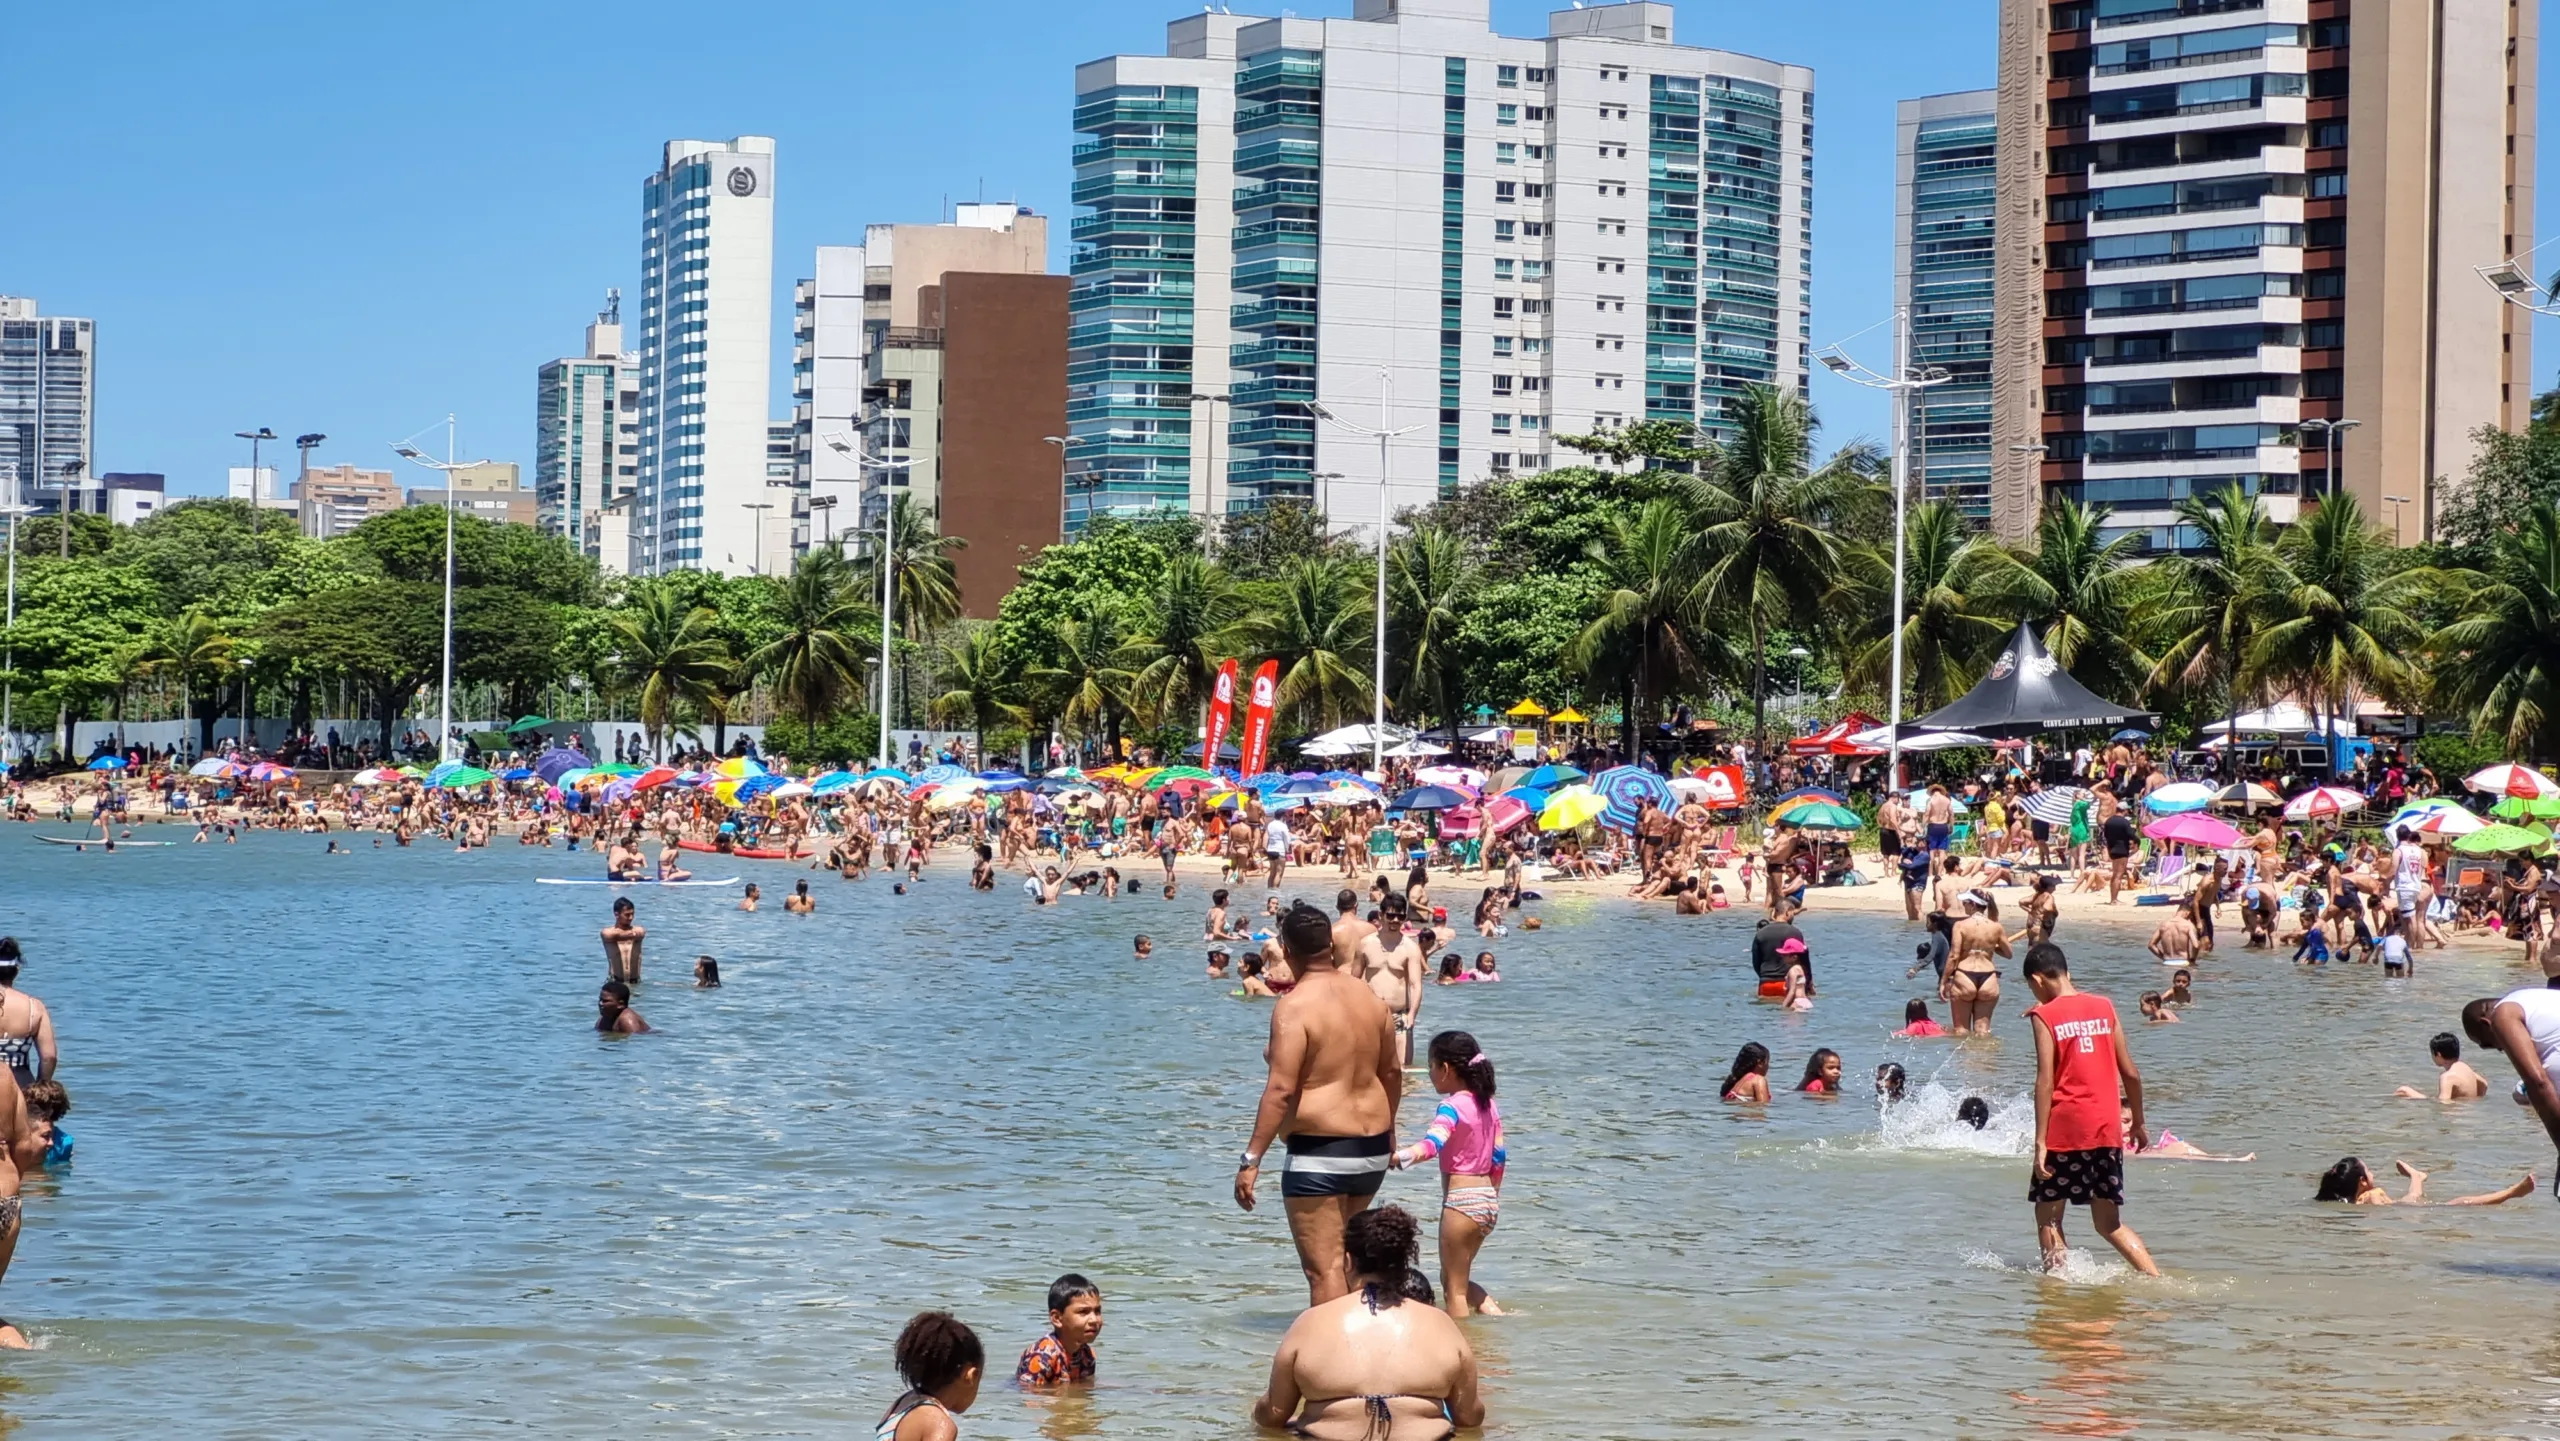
[2165,887]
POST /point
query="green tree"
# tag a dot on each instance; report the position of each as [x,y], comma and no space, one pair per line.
[977,689]
[818,657]
[1765,518]
[1267,544]
[385,636]
[2079,589]
[2341,611]
[1948,626]
[671,657]
[2511,472]
[924,582]
[1318,626]
[2206,604]
[1647,639]
[2500,663]
[1668,442]
[1432,580]
[1181,637]
[1088,686]
[1517,634]
[196,653]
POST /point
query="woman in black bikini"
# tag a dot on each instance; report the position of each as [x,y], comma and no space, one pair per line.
[1369,1366]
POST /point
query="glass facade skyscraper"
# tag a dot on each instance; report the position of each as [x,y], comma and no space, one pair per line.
[1945,201]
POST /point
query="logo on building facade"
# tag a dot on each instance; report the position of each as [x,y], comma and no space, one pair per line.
[742,182]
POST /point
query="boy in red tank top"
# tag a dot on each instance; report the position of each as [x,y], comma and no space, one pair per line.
[2081,1065]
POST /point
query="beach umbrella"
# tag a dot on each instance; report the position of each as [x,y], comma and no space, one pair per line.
[1810,793]
[829,783]
[941,774]
[1461,823]
[2513,780]
[2416,811]
[2246,793]
[413,773]
[1429,798]
[2502,839]
[791,790]
[1342,796]
[653,778]
[528,723]
[2130,734]
[1187,786]
[1548,777]
[1303,786]
[564,780]
[1012,783]
[1074,773]
[1527,710]
[1265,781]
[737,768]
[891,774]
[1920,797]
[2192,828]
[1504,813]
[1572,807]
[519,773]
[107,763]
[615,792]
[755,786]
[2517,808]
[2321,802]
[551,765]
[458,777]
[268,771]
[2451,821]
[1007,773]
[1417,749]
[1823,816]
[2053,806]
[379,776]
[620,771]
[1434,776]
[213,767]
[1530,796]
[2179,797]
[1627,788]
[1354,778]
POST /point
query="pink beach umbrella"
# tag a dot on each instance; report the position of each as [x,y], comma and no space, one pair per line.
[1506,813]
[2194,828]
[2323,803]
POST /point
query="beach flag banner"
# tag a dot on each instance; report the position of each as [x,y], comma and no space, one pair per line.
[1257,716]
[1724,786]
[1222,709]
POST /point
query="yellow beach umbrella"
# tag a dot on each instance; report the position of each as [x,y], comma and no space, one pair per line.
[1572,807]
[1527,709]
[1569,717]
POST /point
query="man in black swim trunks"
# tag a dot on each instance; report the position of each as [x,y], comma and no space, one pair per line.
[1336,1073]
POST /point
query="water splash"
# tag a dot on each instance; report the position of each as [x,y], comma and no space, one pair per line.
[2079,1268]
[1925,1120]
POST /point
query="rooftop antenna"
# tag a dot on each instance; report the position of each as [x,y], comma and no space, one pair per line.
[612,306]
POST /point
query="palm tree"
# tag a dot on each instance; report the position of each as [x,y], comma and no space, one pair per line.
[2079,588]
[1318,627]
[2206,604]
[1431,583]
[1948,625]
[2341,616]
[1646,636]
[1179,638]
[1765,522]
[1089,687]
[2501,661]
[197,651]
[818,656]
[977,691]
[673,655]
[926,585]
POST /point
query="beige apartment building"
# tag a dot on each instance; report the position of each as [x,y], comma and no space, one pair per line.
[335,499]
[2238,243]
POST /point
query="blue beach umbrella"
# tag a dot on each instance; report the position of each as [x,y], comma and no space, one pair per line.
[1552,777]
[1626,788]
[1530,796]
[942,775]
[551,765]
[1265,781]
[107,763]
[1301,785]
[1430,798]
[754,786]
[520,773]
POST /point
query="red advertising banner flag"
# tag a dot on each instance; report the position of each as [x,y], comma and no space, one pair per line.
[1222,710]
[1257,716]
[1724,786]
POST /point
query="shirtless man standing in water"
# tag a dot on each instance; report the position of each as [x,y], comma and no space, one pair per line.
[1393,967]
[622,944]
[1349,930]
[1971,985]
[1331,1096]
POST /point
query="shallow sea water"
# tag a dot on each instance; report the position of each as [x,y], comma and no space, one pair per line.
[352,1163]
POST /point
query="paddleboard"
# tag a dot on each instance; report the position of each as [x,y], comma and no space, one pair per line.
[749,853]
[95,841]
[582,881]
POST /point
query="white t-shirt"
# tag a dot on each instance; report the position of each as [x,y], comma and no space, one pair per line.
[1275,837]
[2409,865]
[2541,1007]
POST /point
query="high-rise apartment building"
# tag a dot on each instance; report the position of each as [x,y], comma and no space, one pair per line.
[48,380]
[1478,240]
[862,342]
[706,317]
[335,499]
[1942,278]
[587,432]
[2237,241]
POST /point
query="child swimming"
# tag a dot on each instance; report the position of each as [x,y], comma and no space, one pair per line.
[1749,1079]
[2350,1182]
[2154,1011]
[2455,1080]
[1889,1082]
[1916,1025]
[1821,1073]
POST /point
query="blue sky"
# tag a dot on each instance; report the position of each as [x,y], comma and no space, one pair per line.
[354,218]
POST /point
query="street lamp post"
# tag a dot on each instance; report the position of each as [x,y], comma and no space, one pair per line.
[2397,501]
[851,448]
[1378,646]
[446,466]
[11,509]
[1062,442]
[1209,486]
[824,506]
[1902,385]
[2332,434]
[62,512]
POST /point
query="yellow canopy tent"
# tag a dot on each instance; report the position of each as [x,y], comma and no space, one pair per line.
[1528,709]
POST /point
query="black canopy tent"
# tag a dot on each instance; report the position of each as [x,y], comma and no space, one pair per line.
[2028,693]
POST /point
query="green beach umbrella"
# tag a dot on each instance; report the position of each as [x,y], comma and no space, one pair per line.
[528,723]
[617,771]
[2502,839]
[2517,808]
[1822,815]
[1170,774]
[468,776]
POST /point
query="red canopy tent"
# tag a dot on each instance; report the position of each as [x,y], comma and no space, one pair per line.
[1833,739]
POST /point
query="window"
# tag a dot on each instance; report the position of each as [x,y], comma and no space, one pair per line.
[1506,115]
[2325,284]
[1537,75]
[2324,334]
[1505,229]
[1533,346]
[1505,153]
[1502,307]
[1531,422]
[2328,183]
[1502,268]
[1502,345]
[1506,192]
[1533,228]
[1506,76]
[1533,307]
[2329,134]
[1501,422]
[1533,270]
[1610,342]
[1537,114]
[1536,152]
[1533,382]
[1534,191]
